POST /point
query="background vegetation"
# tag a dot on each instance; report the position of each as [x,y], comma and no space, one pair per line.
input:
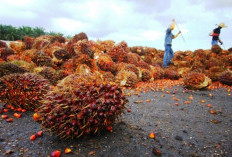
[8,32]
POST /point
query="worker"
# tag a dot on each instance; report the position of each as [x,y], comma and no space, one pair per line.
[168,54]
[215,34]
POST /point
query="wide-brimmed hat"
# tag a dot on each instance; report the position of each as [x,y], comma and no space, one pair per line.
[222,25]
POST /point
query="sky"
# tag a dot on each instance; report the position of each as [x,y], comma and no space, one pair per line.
[138,22]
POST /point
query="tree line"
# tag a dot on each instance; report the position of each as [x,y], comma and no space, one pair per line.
[8,32]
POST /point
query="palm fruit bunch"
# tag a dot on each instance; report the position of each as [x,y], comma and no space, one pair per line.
[23,90]
[82,69]
[48,73]
[41,42]
[145,75]
[158,72]
[108,77]
[171,74]
[118,52]
[216,49]
[138,49]
[105,63]
[3,44]
[68,67]
[226,77]
[57,38]
[7,68]
[131,67]
[212,62]
[214,72]
[12,58]
[126,78]
[80,36]
[83,47]
[28,55]
[61,54]
[143,65]
[23,64]
[132,58]
[18,47]
[105,45]
[42,59]
[81,105]
[195,80]
[5,52]
[83,59]
[28,41]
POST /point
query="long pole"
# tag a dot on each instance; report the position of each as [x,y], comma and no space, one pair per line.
[180,31]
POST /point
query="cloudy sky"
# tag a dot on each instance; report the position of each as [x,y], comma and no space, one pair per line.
[138,22]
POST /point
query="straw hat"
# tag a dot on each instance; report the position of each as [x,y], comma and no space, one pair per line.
[222,25]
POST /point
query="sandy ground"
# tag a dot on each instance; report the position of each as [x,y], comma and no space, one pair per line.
[180,119]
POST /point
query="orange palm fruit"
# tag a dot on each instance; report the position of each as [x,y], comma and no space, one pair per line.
[33,137]
[55,153]
[152,135]
[67,150]
[4,116]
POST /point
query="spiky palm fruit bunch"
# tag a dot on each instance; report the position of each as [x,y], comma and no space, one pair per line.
[83,47]
[48,73]
[171,74]
[158,72]
[5,52]
[23,64]
[126,78]
[83,59]
[215,72]
[86,107]
[131,67]
[105,62]
[12,58]
[28,55]
[62,54]
[200,53]
[145,75]
[197,64]
[108,77]
[23,90]
[212,62]
[42,59]
[118,52]
[132,58]
[7,68]
[41,42]
[138,49]
[3,44]
[57,38]
[82,69]
[28,41]
[226,77]
[105,45]
[143,65]
[80,36]
[148,59]
[196,80]
[216,49]
[18,47]
[68,67]
[228,60]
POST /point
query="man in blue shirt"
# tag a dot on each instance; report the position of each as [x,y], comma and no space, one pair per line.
[215,34]
[168,54]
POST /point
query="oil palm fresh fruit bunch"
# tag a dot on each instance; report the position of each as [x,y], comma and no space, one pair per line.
[171,74]
[23,90]
[216,49]
[3,44]
[132,58]
[126,78]
[226,77]
[42,59]
[195,80]
[81,105]
[158,72]
[5,52]
[105,63]
[145,75]
[28,41]
[118,52]
[80,36]
[7,68]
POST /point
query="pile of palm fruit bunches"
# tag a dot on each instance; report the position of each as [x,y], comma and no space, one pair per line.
[76,85]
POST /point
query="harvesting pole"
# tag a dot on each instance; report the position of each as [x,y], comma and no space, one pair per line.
[180,31]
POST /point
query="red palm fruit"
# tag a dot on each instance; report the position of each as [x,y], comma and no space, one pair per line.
[67,150]
[16,115]
[24,110]
[5,110]
[152,135]
[4,116]
[56,153]
[33,137]
[40,133]
[19,109]
[109,128]
[9,120]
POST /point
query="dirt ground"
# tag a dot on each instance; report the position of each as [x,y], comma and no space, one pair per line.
[181,119]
